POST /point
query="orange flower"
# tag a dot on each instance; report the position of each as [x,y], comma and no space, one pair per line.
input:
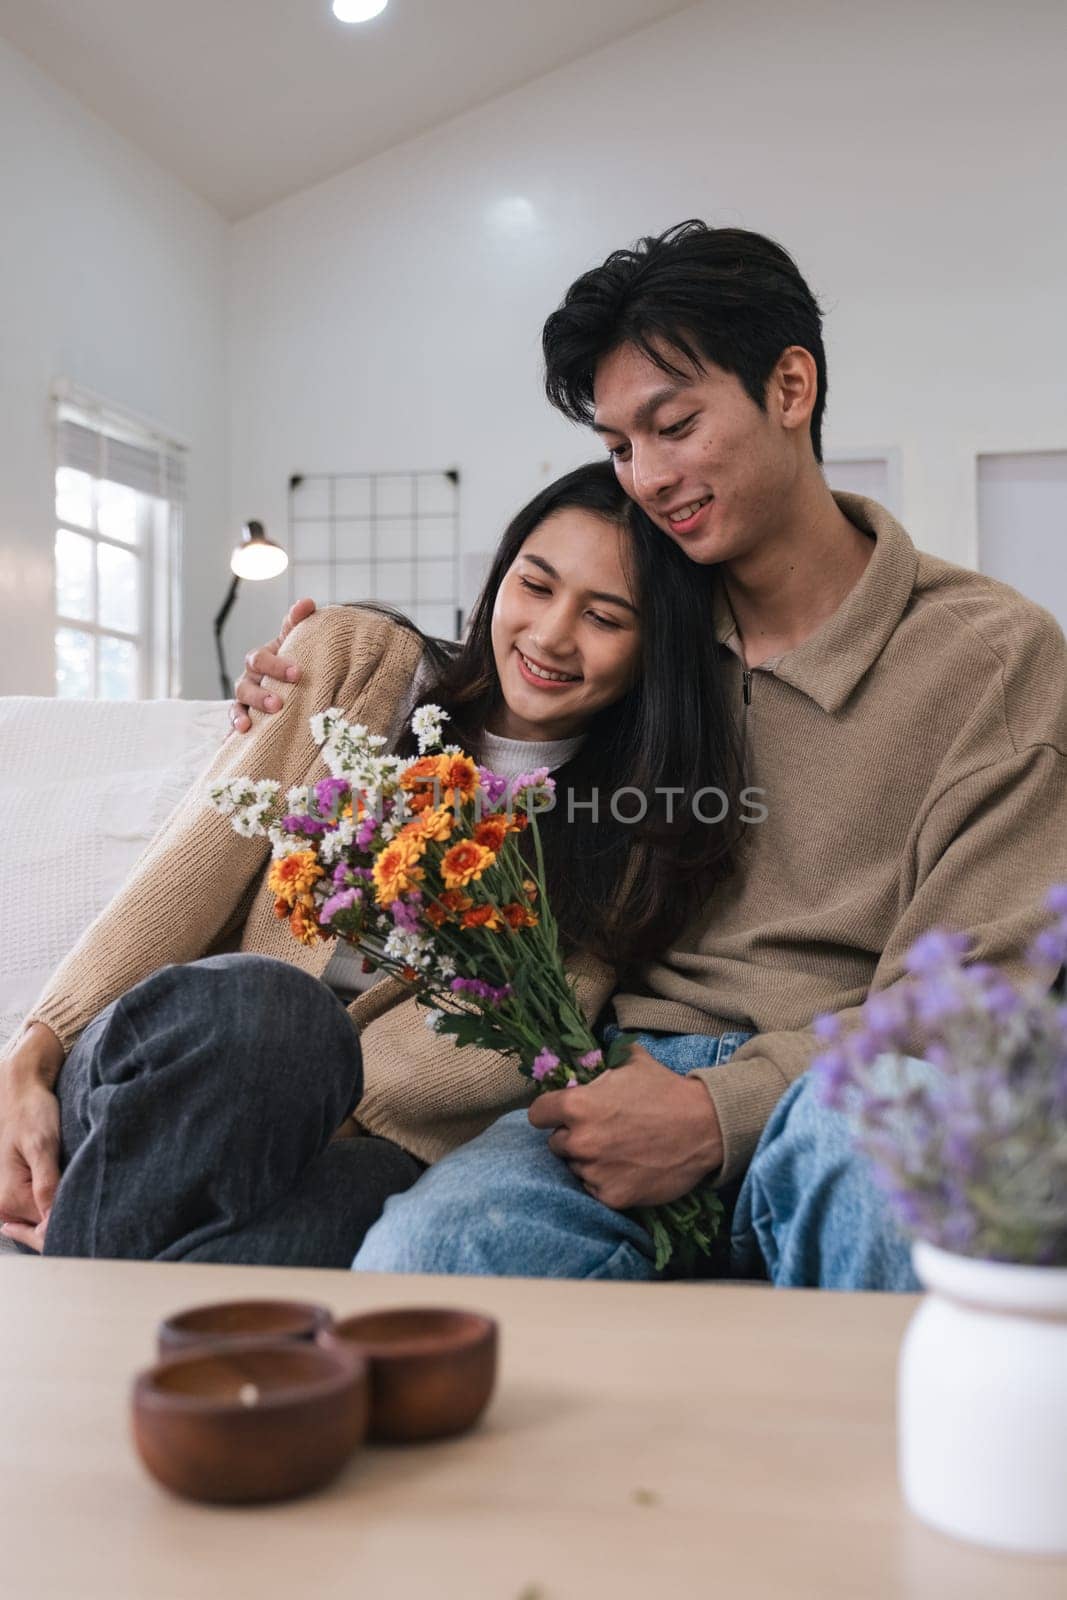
[517,916]
[464,862]
[482,917]
[459,774]
[456,900]
[530,887]
[519,821]
[303,926]
[432,824]
[435,914]
[396,870]
[281,908]
[292,876]
[422,772]
[492,833]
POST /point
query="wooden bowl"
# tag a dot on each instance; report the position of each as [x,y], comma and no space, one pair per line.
[238,1423]
[265,1321]
[431,1371]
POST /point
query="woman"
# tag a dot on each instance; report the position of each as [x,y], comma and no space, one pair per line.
[201,1070]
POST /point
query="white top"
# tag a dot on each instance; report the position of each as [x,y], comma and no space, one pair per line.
[507,758]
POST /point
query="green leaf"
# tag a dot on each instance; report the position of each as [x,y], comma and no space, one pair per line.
[618,1051]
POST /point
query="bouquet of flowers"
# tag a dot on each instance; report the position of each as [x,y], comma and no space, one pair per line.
[419,864]
[970,1144]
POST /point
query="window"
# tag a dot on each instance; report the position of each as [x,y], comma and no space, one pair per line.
[119,492]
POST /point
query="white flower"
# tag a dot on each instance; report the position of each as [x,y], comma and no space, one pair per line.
[446,967]
[221,797]
[333,844]
[324,722]
[298,800]
[433,1018]
[426,726]
[284,844]
[409,948]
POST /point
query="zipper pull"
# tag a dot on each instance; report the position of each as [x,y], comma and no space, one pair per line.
[746,685]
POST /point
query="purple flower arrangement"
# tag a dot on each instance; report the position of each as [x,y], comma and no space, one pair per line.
[955,1085]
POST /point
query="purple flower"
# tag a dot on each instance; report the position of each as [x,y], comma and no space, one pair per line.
[342,901]
[480,989]
[310,827]
[1056,900]
[827,1027]
[936,950]
[591,1060]
[1003,1000]
[330,795]
[544,1063]
[406,914]
[885,1019]
[494,786]
[830,1074]
[366,831]
[938,1000]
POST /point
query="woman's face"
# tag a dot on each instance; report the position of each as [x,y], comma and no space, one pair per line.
[566,631]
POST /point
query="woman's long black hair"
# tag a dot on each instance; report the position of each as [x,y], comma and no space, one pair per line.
[623,891]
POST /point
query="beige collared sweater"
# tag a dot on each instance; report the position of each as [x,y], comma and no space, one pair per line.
[913,754]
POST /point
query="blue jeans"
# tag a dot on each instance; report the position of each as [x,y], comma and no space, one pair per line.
[808,1213]
[196,1119]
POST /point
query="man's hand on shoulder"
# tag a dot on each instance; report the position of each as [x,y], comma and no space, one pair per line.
[638,1135]
[265,662]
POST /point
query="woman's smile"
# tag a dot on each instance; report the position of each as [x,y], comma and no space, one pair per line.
[543,677]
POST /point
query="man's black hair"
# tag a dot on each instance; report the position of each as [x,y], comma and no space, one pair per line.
[720,295]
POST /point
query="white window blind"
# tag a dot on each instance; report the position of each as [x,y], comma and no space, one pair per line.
[150,468]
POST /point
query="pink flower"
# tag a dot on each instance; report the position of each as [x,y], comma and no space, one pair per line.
[543,1064]
[591,1060]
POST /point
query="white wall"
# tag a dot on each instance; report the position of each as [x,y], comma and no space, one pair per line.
[114,276]
[910,156]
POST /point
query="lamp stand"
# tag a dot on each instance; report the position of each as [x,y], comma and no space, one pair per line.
[224,611]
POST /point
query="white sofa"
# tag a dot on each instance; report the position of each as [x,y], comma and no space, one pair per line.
[83,787]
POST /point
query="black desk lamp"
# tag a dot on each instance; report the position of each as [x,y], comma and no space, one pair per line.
[255,558]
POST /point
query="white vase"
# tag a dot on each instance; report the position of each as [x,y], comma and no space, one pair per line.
[982,1402]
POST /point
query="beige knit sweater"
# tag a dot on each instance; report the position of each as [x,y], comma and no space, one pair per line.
[199,887]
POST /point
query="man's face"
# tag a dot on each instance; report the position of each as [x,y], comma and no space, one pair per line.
[697,454]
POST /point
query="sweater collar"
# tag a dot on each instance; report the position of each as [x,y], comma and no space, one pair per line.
[828,666]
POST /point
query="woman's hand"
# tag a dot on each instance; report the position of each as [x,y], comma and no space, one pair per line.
[29,1134]
[265,662]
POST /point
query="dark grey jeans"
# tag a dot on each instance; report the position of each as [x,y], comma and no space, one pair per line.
[196,1120]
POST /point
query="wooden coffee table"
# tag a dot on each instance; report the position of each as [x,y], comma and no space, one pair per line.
[661,1442]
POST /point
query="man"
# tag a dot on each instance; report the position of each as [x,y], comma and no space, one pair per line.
[908,722]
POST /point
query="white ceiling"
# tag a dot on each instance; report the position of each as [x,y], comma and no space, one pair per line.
[250,100]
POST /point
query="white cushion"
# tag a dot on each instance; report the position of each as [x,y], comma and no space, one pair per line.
[84,785]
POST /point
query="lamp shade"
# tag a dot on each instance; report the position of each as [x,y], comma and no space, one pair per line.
[257,556]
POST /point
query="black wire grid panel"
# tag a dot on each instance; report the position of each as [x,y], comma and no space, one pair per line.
[387,536]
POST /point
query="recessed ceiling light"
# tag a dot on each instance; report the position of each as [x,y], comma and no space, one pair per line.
[358,10]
